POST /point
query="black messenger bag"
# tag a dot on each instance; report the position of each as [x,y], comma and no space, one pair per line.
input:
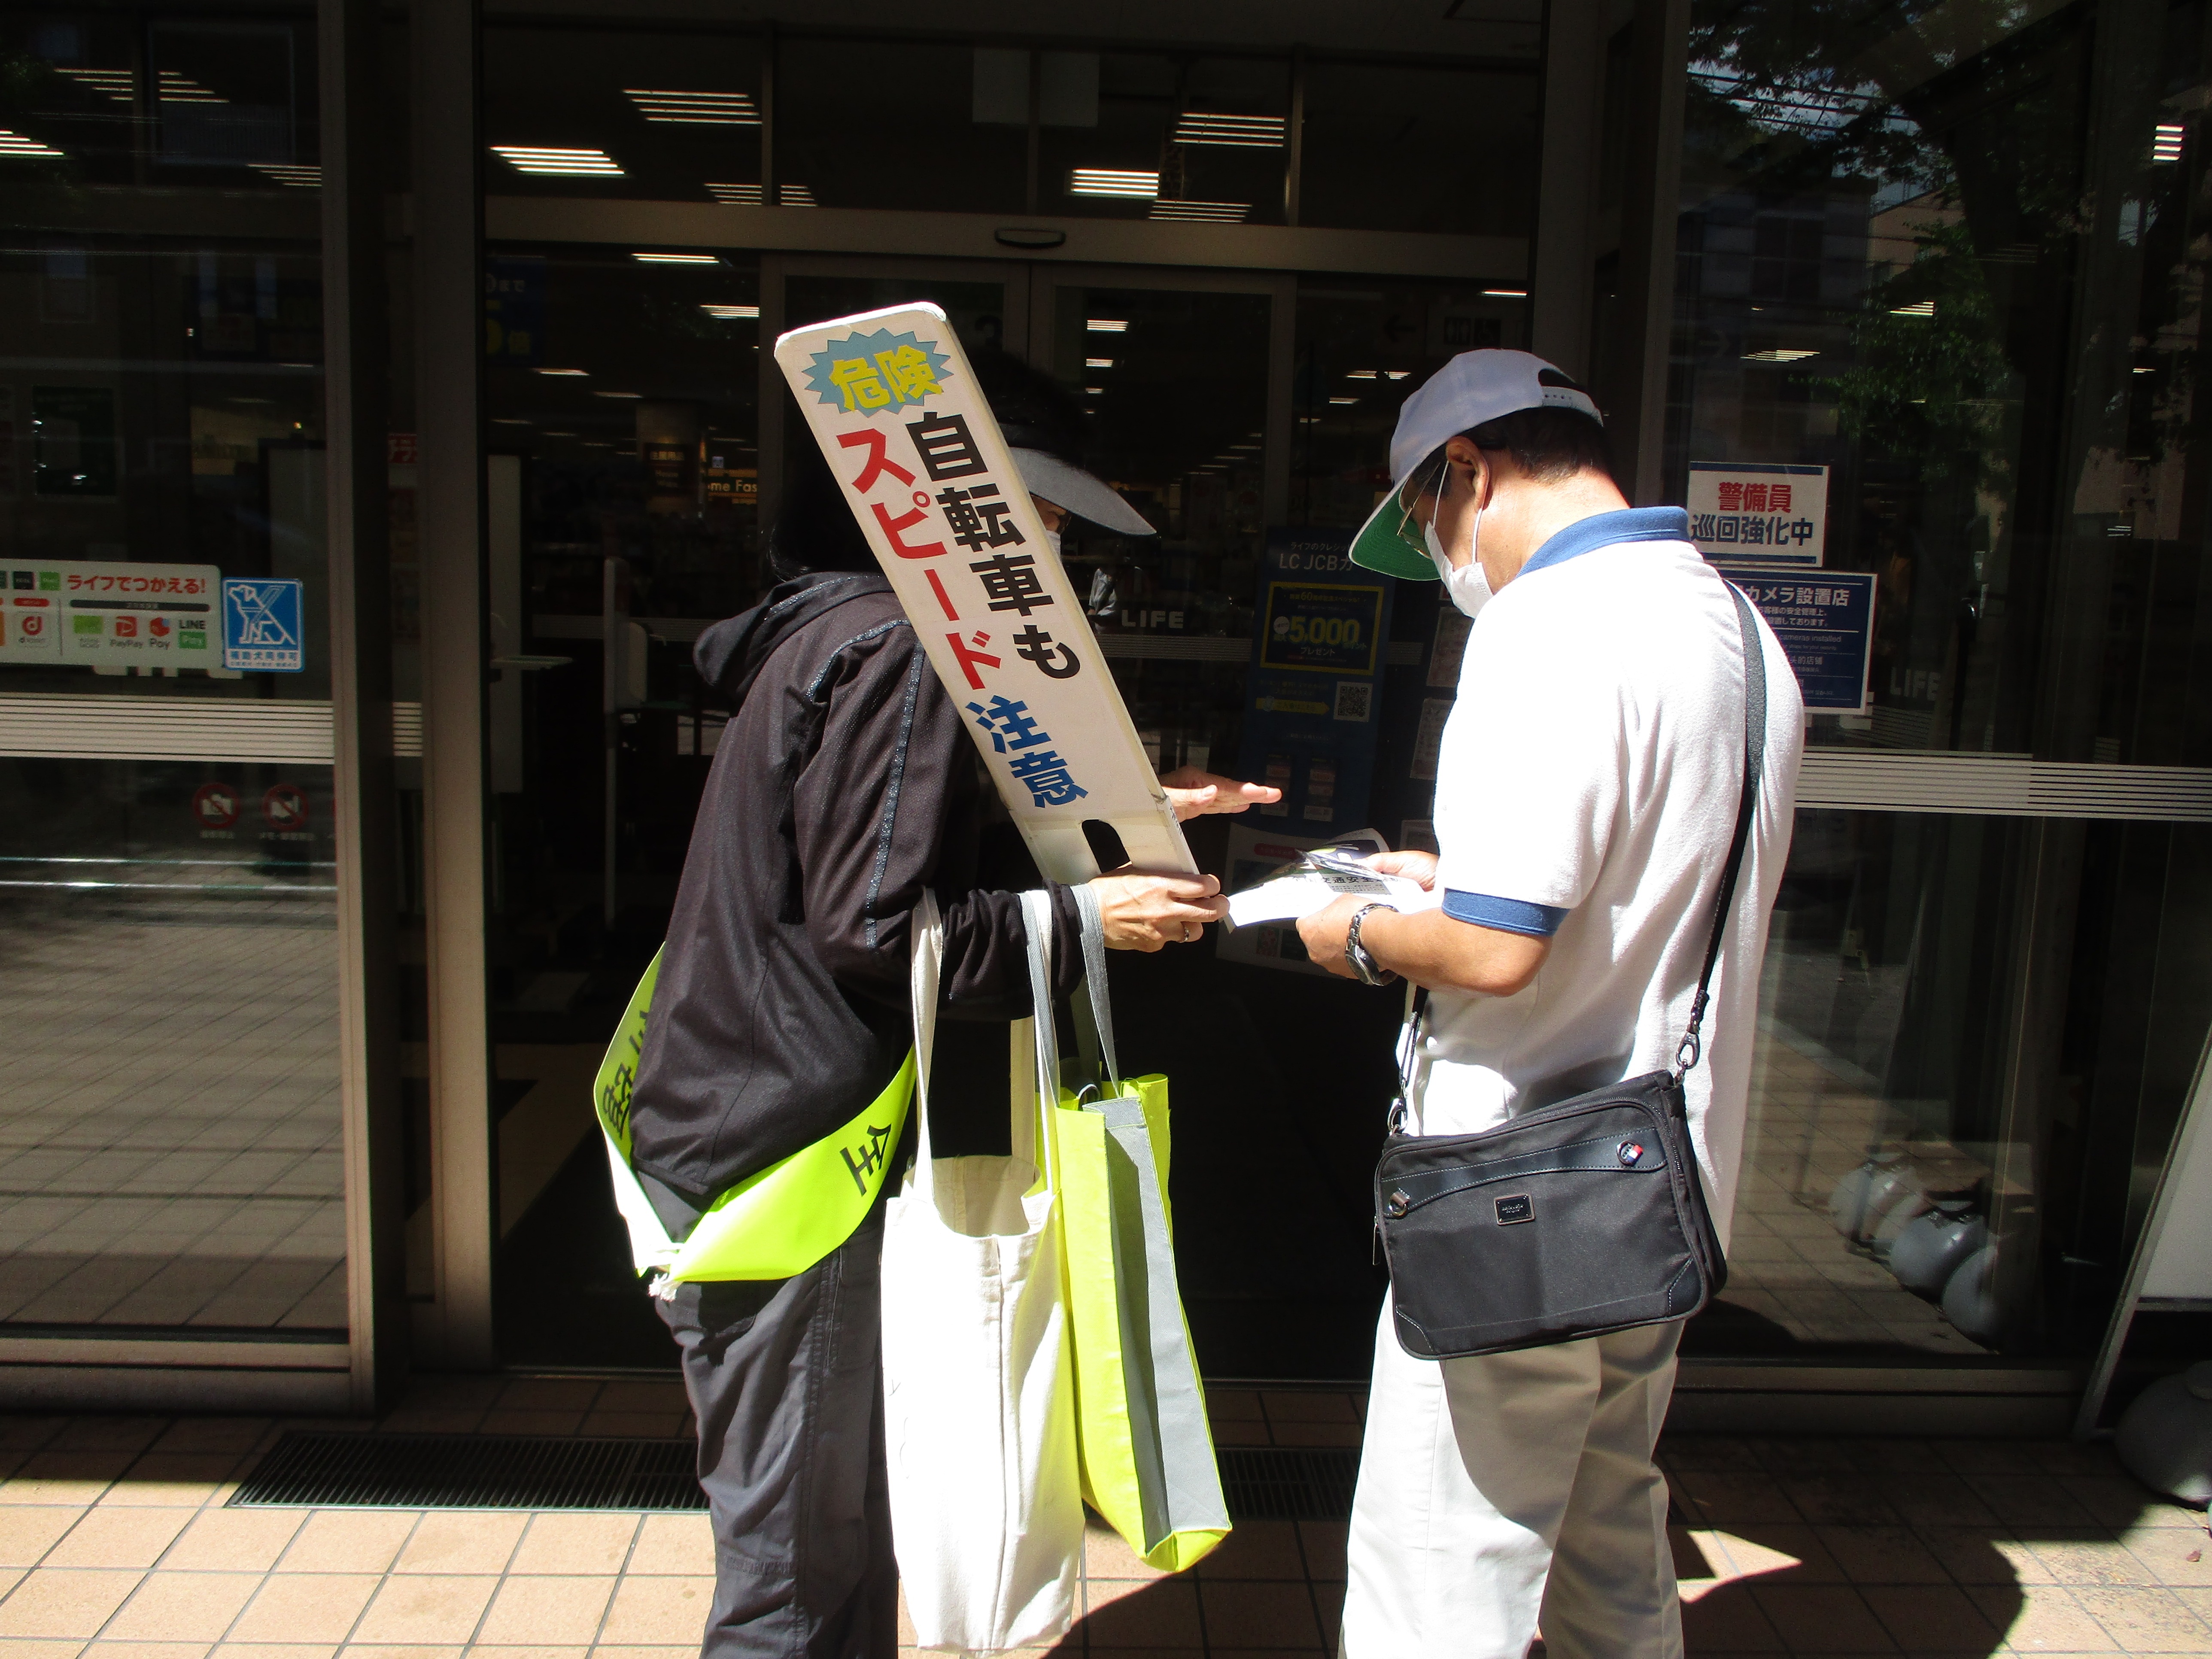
[1585,1217]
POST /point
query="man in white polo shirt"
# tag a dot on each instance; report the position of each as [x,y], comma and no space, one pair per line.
[1586,796]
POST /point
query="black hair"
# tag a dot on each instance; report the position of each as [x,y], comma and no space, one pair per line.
[815,529]
[1550,445]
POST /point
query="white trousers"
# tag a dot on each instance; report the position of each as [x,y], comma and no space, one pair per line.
[1499,1491]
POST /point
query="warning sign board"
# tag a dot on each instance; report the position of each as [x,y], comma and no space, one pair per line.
[105,614]
[890,398]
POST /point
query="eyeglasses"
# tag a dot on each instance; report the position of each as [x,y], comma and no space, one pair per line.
[1424,480]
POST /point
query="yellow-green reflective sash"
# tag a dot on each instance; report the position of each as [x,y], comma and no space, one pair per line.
[780,1221]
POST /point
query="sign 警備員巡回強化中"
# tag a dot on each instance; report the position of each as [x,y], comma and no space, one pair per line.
[1761,511]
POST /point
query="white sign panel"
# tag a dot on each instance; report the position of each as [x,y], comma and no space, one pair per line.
[64,611]
[890,399]
[1759,511]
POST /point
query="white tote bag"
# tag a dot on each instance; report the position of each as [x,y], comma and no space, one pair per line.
[979,1406]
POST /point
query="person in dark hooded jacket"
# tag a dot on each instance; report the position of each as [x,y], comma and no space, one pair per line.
[844,784]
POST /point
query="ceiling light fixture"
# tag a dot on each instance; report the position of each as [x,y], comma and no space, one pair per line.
[1107,325]
[1113,181]
[696,109]
[15,144]
[1779,355]
[1095,391]
[1918,308]
[1344,400]
[297,177]
[175,88]
[794,196]
[1098,362]
[1358,374]
[675,258]
[733,314]
[1223,213]
[117,83]
[2165,141]
[1395,373]
[571,373]
[560,434]
[632,395]
[1505,293]
[562,163]
[737,195]
[1242,131]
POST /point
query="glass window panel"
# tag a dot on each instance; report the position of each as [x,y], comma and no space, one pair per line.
[899,124]
[1399,147]
[1169,138]
[170,1145]
[615,113]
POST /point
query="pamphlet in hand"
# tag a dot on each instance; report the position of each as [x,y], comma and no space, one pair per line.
[1315,879]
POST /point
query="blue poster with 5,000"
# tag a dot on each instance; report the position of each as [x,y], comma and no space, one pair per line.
[1314,697]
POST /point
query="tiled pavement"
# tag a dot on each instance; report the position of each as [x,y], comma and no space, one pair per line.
[114,1544]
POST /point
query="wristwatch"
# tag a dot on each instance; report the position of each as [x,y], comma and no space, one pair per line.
[1361,959]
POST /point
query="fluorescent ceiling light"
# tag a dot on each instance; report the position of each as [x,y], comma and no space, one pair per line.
[1344,400]
[2146,371]
[1244,131]
[2165,141]
[697,109]
[1234,448]
[15,144]
[736,194]
[795,195]
[572,372]
[1113,181]
[618,394]
[1098,362]
[117,83]
[1779,355]
[733,314]
[1107,325]
[565,163]
[560,434]
[675,258]
[1505,293]
[1094,390]
[1918,308]
[298,177]
[175,88]
[1226,213]
[1358,374]
[508,420]
[1395,373]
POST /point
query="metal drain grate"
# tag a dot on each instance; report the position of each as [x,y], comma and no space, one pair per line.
[474,1472]
[537,1472]
[1289,1483]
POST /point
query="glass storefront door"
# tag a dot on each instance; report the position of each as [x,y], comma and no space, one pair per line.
[171,1162]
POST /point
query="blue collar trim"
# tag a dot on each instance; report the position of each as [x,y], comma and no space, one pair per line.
[1626,524]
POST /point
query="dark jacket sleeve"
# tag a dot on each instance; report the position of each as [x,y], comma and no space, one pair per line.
[871,808]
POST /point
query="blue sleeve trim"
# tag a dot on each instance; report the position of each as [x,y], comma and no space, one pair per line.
[1506,916]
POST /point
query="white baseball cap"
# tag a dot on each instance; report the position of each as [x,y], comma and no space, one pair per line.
[1473,389]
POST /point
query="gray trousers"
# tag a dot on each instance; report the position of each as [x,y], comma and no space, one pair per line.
[786,1378]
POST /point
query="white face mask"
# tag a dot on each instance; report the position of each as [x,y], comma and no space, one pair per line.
[1468,587]
[1052,541]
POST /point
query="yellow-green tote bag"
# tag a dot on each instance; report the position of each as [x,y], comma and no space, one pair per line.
[1147,1451]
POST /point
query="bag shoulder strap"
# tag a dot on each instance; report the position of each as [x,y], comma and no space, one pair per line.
[1094,1024]
[1746,813]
